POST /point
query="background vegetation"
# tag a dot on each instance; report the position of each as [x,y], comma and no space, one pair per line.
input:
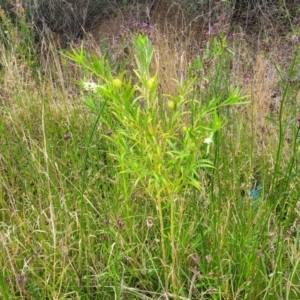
[131,166]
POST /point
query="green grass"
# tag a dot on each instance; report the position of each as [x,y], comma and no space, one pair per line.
[118,194]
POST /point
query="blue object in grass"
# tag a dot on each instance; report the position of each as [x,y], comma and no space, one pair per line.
[256,192]
[255,196]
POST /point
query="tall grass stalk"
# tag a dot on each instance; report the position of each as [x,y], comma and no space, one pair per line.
[285,117]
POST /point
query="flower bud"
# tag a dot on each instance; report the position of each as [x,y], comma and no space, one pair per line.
[117,83]
[171,104]
[184,129]
[151,82]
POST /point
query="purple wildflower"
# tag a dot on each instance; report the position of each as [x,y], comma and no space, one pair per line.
[66,137]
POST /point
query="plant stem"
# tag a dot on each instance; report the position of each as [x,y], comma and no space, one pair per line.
[163,244]
[174,254]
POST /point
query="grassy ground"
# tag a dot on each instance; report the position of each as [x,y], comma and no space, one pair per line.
[149,188]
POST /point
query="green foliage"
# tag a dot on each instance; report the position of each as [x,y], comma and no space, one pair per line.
[158,141]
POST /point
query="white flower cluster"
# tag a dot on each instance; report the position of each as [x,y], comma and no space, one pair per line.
[208,140]
[90,86]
